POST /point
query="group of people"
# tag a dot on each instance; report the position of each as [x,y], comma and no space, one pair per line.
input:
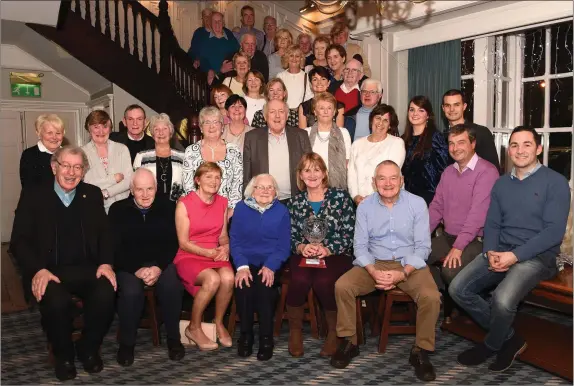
[222,218]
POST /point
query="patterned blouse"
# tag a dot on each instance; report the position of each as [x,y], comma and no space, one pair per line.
[232,166]
[339,211]
[259,122]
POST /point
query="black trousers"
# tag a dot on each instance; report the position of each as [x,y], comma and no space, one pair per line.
[58,310]
[256,298]
[131,300]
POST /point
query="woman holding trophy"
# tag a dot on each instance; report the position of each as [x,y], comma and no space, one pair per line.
[322,228]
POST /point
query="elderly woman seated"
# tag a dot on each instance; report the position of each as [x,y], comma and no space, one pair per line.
[260,238]
[145,243]
[336,207]
[202,260]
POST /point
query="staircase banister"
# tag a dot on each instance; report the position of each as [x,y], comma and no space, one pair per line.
[143,10]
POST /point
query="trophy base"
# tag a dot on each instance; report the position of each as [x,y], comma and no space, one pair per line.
[312,263]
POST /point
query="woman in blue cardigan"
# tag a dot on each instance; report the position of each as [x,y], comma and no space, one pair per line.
[260,242]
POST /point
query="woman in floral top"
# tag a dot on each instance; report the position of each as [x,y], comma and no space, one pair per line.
[337,208]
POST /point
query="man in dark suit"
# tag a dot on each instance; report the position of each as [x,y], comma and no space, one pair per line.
[275,150]
[135,137]
[61,239]
[453,106]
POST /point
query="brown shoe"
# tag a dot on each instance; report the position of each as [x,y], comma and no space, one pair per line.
[330,345]
[295,315]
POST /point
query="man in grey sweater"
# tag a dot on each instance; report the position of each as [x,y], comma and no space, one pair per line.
[524,227]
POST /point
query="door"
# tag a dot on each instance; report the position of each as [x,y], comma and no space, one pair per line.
[11,143]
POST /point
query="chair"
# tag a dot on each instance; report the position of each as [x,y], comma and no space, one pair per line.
[312,315]
[150,321]
[386,302]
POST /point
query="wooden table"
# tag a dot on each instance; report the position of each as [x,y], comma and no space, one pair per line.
[549,343]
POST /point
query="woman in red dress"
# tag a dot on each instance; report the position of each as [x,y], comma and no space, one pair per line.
[202,260]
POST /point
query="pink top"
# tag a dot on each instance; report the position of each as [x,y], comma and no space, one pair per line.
[205,224]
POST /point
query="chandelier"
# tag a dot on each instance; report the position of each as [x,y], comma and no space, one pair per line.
[396,11]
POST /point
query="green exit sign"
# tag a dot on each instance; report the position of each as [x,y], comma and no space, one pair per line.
[26,90]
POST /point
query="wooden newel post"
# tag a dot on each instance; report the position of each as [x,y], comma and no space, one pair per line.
[166,44]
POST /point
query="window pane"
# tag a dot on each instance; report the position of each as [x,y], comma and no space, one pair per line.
[560,153]
[505,87]
[533,104]
[561,57]
[561,102]
[467,57]
[467,87]
[534,49]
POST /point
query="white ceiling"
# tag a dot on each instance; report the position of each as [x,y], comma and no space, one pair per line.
[52,55]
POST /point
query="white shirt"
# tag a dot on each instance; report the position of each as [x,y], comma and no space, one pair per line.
[294,83]
[279,163]
[321,145]
[253,105]
[234,85]
[43,148]
[365,156]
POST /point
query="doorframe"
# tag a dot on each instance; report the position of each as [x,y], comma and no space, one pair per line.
[80,111]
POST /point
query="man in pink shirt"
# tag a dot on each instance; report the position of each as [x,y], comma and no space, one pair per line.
[461,201]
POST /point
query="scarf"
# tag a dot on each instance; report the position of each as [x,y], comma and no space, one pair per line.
[250,202]
[337,155]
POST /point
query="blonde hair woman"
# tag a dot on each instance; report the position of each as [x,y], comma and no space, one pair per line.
[241,65]
[282,40]
[294,77]
[165,163]
[35,166]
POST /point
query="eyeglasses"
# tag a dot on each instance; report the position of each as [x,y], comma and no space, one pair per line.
[369,92]
[211,123]
[352,70]
[264,188]
[67,167]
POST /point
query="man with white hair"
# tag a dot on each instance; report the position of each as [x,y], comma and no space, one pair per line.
[305,43]
[277,150]
[259,61]
[145,244]
[392,244]
[371,94]
[270,28]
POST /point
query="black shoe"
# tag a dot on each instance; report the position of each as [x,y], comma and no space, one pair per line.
[245,345]
[175,350]
[475,356]
[509,351]
[125,356]
[265,348]
[65,370]
[93,363]
[424,369]
[345,352]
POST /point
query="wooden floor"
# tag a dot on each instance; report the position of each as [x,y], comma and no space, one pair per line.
[12,294]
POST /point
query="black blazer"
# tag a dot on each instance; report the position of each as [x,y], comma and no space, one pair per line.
[256,153]
[35,167]
[143,241]
[34,232]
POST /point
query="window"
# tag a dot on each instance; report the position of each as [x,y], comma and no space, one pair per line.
[467,76]
[525,78]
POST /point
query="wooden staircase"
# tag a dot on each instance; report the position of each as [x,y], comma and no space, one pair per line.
[130,46]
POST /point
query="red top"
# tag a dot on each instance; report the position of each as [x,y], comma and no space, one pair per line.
[205,224]
[350,100]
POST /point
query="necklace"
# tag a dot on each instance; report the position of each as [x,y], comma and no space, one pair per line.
[164,165]
[321,139]
[212,149]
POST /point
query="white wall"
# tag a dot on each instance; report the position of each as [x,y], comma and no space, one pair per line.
[121,100]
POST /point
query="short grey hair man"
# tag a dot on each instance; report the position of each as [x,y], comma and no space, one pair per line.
[74,150]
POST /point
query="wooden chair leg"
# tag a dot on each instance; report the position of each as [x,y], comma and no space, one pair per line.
[312,314]
[280,310]
[232,318]
[360,329]
[384,339]
[154,324]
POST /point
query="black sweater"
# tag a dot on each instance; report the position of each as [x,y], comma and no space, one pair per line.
[146,143]
[35,167]
[143,240]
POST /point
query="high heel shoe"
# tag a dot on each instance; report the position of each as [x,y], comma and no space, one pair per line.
[225,342]
[203,347]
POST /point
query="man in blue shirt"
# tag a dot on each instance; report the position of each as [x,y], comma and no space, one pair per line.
[392,243]
[247,25]
[216,47]
[525,224]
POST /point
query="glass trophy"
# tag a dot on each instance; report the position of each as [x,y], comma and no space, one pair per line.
[315,231]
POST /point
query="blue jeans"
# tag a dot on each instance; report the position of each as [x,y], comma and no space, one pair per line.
[512,286]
